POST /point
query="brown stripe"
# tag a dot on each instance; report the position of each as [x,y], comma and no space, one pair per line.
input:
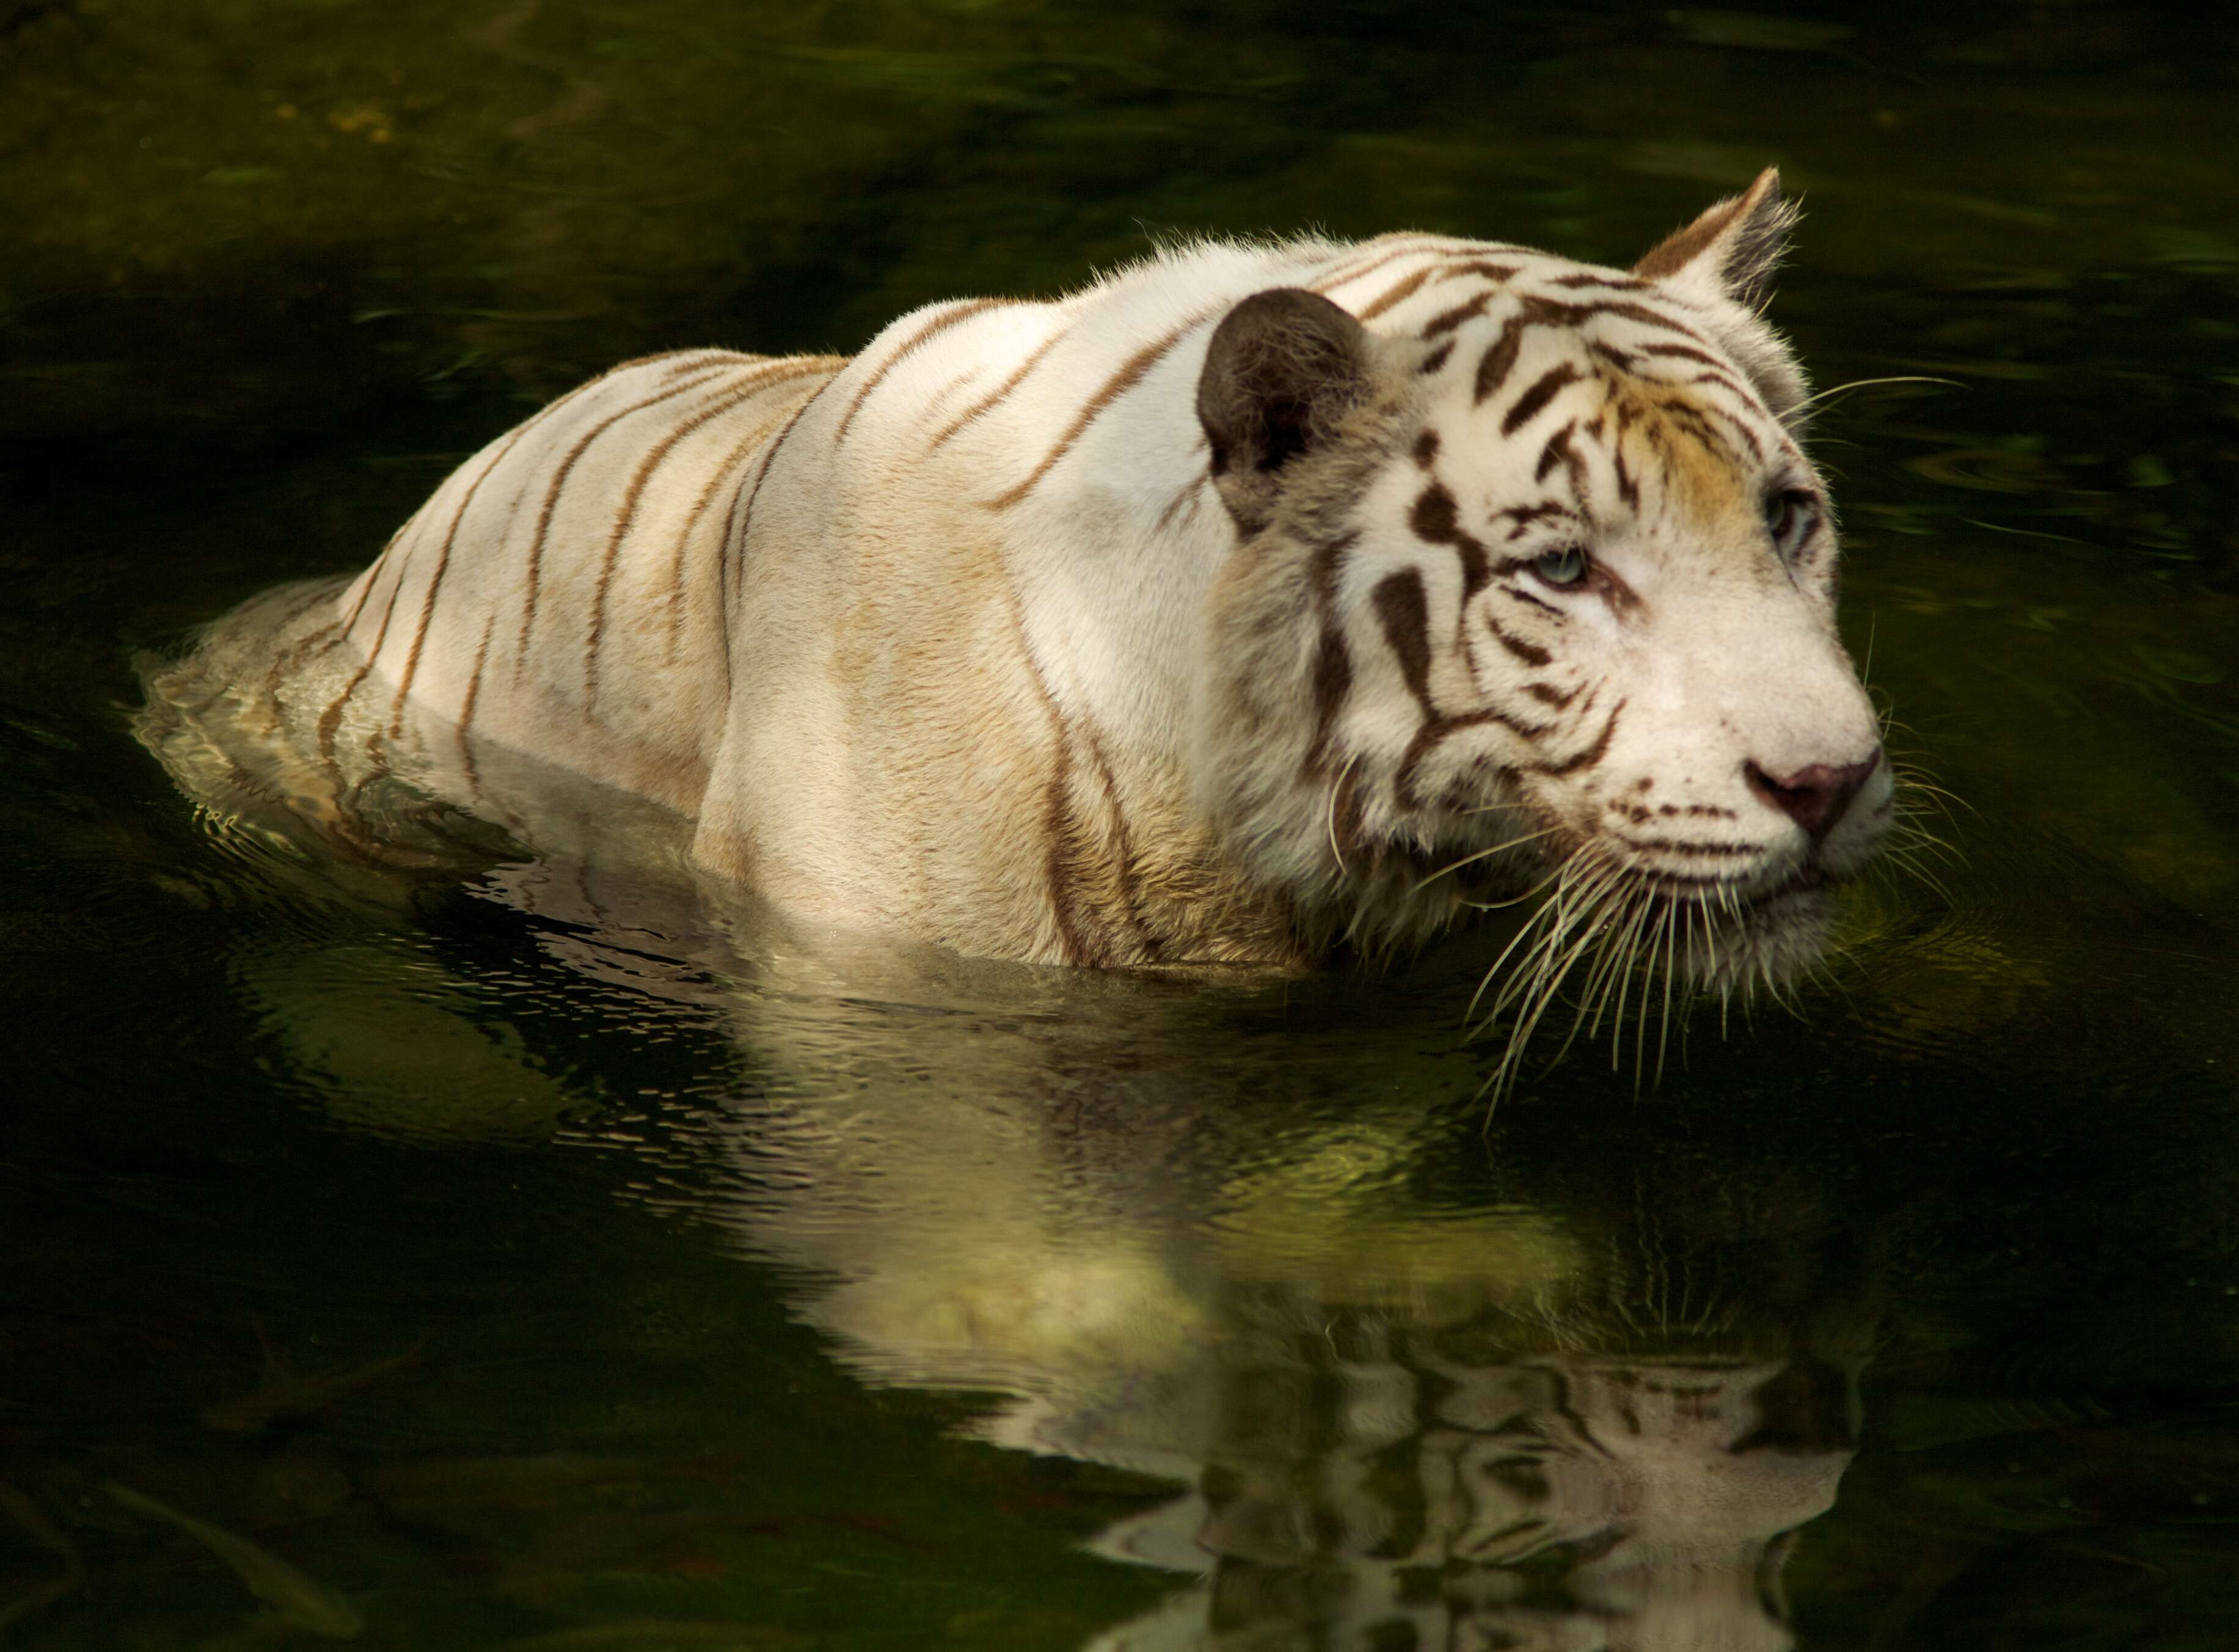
[436,582]
[1397,294]
[1557,451]
[1613,282]
[1541,393]
[1480,267]
[739,455]
[1436,731]
[722,403]
[988,402]
[1436,359]
[1427,449]
[1684,352]
[1332,671]
[680,362]
[350,623]
[1642,314]
[1591,754]
[962,311]
[1123,853]
[1495,365]
[1404,613]
[1446,320]
[1131,373]
[283,659]
[1523,515]
[330,720]
[372,578]
[1561,450]
[1436,520]
[1681,416]
[535,569]
[1546,696]
[1530,653]
[1741,428]
[741,516]
[1057,822]
[1628,490]
[467,706]
[1344,276]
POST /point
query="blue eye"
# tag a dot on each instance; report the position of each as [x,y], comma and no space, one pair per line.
[1789,516]
[1563,568]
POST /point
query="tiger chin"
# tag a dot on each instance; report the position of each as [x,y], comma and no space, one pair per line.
[1255,603]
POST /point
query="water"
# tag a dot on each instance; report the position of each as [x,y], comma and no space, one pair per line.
[539,1256]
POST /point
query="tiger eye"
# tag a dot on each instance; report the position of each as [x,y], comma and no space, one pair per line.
[1789,515]
[1562,568]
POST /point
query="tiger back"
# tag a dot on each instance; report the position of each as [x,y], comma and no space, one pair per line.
[1254,601]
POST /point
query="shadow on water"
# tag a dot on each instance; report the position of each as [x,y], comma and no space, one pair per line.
[481,1235]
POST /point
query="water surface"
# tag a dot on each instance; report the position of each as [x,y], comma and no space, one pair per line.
[543,1256]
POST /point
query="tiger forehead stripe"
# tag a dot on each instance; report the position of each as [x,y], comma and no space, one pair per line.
[1559,450]
[1611,280]
[1438,275]
[1534,310]
[1541,393]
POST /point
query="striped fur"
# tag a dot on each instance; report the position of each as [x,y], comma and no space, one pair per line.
[983,637]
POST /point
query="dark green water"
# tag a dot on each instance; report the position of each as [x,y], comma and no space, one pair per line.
[567,1282]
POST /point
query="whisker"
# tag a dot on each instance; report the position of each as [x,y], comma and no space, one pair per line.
[1330,820]
[1861,384]
[1481,854]
[1670,967]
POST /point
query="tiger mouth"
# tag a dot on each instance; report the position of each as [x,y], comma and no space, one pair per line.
[1734,895]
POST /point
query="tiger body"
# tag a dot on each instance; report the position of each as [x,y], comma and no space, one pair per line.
[1202,615]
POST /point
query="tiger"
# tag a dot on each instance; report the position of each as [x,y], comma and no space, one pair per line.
[1257,602]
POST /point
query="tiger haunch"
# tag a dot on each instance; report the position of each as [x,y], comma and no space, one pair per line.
[1254,601]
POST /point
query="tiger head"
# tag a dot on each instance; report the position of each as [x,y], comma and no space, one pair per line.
[1535,586]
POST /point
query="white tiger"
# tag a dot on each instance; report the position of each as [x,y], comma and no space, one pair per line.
[1254,601]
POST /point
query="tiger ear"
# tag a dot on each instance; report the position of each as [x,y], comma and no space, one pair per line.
[1283,370]
[1731,251]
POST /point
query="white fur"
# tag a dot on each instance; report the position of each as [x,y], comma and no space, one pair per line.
[1015,683]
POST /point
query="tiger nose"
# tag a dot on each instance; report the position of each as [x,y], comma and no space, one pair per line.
[1815,798]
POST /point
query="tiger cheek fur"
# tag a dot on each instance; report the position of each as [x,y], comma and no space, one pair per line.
[1254,601]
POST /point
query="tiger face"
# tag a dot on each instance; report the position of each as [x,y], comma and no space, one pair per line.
[1542,589]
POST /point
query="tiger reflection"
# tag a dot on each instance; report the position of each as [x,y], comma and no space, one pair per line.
[1398,1499]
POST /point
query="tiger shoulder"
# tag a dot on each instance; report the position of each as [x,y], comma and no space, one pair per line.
[1255,601]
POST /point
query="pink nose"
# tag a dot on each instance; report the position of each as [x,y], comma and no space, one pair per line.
[1814,798]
